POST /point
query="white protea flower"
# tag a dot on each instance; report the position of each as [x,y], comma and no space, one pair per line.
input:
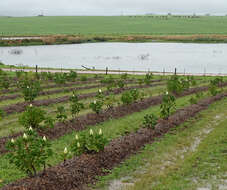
[76,137]
[44,138]
[27,86]
[95,102]
[65,150]
[30,129]
[78,145]
[30,105]
[100,91]
[91,132]
[167,92]
[25,136]
[73,95]
[12,141]
[100,131]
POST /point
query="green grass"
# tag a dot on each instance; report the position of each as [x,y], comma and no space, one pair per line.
[112,25]
[111,128]
[160,165]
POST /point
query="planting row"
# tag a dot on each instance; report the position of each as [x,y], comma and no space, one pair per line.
[99,157]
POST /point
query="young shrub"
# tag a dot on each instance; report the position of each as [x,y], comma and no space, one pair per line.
[148,78]
[109,101]
[135,94]
[174,85]
[32,117]
[127,98]
[96,106]
[60,78]
[124,76]
[76,106]
[150,120]
[83,78]
[120,84]
[5,82]
[30,89]
[72,75]
[168,105]
[89,143]
[213,86]
[61,114]
[29,153]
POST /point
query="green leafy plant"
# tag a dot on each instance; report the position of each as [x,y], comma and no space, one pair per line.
[83,78]
[33,117]
[148,78]
[213,86]
[131,96]
[30,89]
[168,105]
[89,143]
[60,78]
[61,114]
[29,153]
[72,75]
[76,106]
[109,101]
[150,120]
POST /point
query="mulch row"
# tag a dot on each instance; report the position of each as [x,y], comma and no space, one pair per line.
[75,173]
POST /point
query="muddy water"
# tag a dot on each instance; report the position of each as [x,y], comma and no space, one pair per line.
[191,58]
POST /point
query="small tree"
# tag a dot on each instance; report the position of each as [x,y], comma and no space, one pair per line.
[61,114]
[168,105]
[29,153]
[30,89]
[76,106]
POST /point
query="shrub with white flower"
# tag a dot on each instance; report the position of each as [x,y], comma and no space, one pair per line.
[90,142]
[168,105]
[29,153]
[76,106]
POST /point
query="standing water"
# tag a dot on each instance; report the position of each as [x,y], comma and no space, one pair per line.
[186,57]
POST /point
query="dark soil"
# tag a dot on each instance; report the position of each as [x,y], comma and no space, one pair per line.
[75,173]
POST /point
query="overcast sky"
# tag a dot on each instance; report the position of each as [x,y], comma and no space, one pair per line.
[109,7]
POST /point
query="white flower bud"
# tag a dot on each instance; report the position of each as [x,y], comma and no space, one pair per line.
[27,86]
[25,136]
[73,95]
[65,150]
[44,138]
[167,92]
[76,137]
[95,102]
[78,145]
[12,141]
[100,131]
[30,105]
[91,132]
[30,129]
[100,91]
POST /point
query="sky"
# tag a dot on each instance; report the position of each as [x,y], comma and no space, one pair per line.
[110,7]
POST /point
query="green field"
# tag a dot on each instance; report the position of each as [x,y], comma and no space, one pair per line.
[112,25]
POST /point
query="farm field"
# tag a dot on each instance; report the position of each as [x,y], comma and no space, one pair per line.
[71,128]
[112,25]
[83,29]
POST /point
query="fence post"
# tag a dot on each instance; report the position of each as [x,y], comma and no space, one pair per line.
[36,68]
[106,70]
[175,72]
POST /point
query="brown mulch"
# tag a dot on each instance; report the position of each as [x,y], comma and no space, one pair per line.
[82,170]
